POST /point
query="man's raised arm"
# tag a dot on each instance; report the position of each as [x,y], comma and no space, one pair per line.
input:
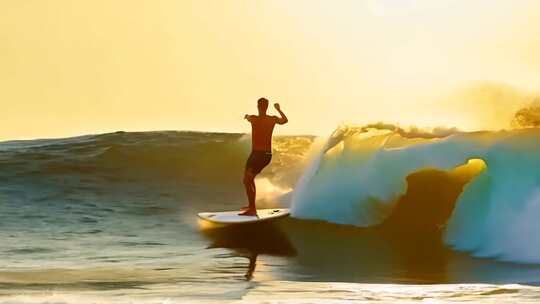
[283,119]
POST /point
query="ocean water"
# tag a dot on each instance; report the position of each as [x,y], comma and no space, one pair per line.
[377,216]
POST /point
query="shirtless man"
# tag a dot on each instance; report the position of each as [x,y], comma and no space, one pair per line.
[262,126]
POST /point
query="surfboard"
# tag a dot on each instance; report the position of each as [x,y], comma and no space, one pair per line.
[232,217]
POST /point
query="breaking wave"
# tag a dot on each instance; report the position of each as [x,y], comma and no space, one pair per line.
[360,174]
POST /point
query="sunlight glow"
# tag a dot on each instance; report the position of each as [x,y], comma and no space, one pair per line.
[390,7]
[199,65]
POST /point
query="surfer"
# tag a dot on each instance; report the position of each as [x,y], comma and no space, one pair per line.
[262,126]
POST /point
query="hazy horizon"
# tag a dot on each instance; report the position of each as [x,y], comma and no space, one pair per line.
[147,131]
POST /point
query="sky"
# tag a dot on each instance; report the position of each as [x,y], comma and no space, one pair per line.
[84,67]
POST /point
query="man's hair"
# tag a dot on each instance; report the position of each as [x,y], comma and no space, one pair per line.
[262,101]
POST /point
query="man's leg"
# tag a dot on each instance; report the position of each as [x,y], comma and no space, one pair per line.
[249,184]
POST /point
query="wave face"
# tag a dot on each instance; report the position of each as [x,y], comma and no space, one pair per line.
[358,177]
[121,199]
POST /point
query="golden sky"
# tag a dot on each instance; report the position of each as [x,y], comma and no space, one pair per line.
[76,67]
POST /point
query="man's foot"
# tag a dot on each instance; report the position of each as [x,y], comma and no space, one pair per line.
[249,212]
[244,208]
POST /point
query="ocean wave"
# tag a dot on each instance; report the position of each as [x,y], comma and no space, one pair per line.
[193,157]
[479,189]
[358,178]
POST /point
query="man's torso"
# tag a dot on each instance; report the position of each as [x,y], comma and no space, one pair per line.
[262,128]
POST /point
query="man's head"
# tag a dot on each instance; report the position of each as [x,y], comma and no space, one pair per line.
[262,105]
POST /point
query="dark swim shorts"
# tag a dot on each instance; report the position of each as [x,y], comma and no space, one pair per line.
[258,160]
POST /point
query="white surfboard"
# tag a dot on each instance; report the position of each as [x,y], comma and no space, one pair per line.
[232,217]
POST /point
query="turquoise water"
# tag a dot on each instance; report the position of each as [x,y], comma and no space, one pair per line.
[112,219]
